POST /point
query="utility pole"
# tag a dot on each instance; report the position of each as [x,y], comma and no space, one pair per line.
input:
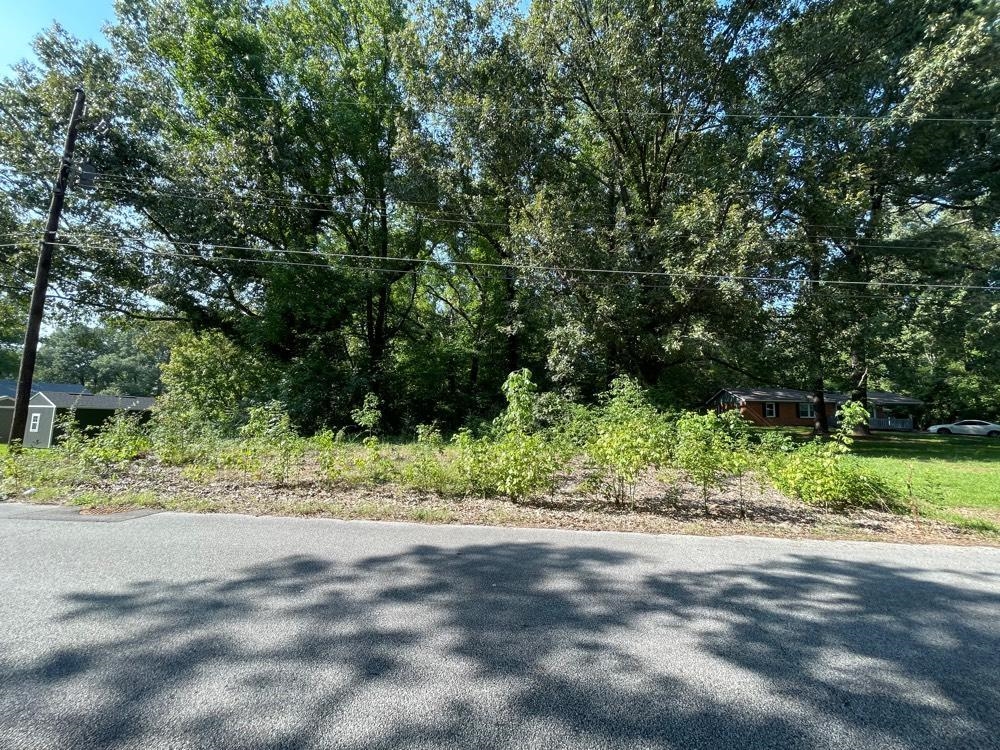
[27,372]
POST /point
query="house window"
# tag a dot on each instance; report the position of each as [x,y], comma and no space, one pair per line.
[35,419]
[806,411]
[770,409]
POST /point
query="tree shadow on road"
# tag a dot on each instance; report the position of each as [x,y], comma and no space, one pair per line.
[518,645]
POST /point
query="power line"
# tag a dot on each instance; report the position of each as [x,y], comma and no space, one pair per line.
[287,199]
[453,218]
[549,269]
[673,114]
[474,223]
[593,283]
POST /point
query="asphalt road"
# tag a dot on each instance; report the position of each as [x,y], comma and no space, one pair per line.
[193,631]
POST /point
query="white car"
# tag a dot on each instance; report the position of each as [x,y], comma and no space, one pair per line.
[967,427]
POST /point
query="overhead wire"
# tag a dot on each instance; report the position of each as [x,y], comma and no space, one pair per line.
[423,267]
[453,218]
[665,113]
[542,268]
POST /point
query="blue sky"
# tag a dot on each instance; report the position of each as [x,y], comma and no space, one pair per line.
[22,19]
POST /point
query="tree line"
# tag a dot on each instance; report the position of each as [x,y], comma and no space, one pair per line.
[417,199]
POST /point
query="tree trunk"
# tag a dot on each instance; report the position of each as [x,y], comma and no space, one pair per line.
[821,424]
[859,393]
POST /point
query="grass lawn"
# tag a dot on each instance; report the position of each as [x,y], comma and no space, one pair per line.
[950,477]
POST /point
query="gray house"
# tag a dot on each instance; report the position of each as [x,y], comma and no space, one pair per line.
[6,416]
[46,407]
[8,391]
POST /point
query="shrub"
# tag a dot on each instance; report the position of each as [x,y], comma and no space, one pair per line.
[512,460]
[739,457]
[627,436]
[429,470]
[11,471]
[519,416]
[823,472]
[182,435]
[122,438]
[214,379]
[351,464]
[371,466]
[270,447]
[515,465]
[469,461]
[330,453]
[119,440]
[702,450]
[369,414]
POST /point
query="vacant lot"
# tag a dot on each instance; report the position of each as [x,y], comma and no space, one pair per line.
[950,488]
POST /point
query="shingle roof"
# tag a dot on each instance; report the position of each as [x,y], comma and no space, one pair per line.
[887,398]
[772,394]
[9,388]
[783,395]
[88,401]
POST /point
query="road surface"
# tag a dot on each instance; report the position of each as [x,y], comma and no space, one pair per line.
[198,631]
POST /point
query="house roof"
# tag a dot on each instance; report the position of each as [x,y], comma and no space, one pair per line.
[8,388]
[62,400]
[793,395]
[887,398]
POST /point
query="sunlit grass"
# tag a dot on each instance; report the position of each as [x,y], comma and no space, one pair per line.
[953,478]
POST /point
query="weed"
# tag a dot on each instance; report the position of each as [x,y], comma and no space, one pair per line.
[429,471]
[823,472]
[432,515]
[628,437]
[702,451]
[369,415]
[270,447]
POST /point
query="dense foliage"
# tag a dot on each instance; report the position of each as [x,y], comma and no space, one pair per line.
[414,200]
[118,360]
[602,451]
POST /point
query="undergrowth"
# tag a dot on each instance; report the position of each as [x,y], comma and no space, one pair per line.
[524,453]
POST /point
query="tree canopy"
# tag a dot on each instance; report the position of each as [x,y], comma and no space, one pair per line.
[417,199]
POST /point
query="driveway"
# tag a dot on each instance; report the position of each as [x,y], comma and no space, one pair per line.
[199,631]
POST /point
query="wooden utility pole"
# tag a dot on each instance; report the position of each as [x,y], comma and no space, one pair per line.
[27,372]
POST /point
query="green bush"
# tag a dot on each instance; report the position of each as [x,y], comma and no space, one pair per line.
[521,395]
[352,464]
[182,435]
[823,472]
[702,450]
[122,438]
[627,437]
[269,446]
[515,465]
[12,472]
[369,415]
[215,380]
[429,470]
[372,466]
[740,456]
[514,459]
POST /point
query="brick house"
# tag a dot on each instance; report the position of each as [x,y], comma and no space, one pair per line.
[789,407]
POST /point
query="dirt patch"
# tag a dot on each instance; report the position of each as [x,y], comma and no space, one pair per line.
[662,505]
